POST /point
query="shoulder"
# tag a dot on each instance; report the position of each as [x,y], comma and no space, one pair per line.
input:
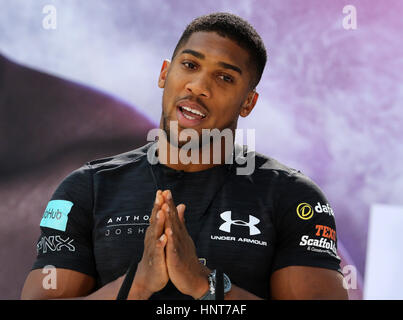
[258,164]
[295,196]
[283,183]
[269,169]
[268,165]
[118,160]
[83,176]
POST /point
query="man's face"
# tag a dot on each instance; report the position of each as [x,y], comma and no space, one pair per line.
[207,85]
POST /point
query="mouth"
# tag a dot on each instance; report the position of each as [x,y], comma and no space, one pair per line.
[190,114]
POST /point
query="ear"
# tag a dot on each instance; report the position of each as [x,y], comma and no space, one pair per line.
[163,73]
[249,103]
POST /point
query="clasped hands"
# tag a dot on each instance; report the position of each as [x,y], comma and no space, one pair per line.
[169,253]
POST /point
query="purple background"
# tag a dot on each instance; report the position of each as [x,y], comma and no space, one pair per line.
[330,99]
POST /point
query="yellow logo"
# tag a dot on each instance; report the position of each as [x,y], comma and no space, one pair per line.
[304,211]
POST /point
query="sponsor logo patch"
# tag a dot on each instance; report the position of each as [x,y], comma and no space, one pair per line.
[319,245]
[54,243]
[56,214]
[325,232]
[304,211]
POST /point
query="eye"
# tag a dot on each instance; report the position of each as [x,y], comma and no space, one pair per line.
[226,78]
[189,65]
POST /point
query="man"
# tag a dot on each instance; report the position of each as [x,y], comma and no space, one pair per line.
[192,229]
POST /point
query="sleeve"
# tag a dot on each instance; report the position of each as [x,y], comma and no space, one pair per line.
[66,226]
[306,227]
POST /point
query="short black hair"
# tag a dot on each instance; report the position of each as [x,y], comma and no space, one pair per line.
[235,28]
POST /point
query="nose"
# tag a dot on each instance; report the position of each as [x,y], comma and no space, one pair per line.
[199,86]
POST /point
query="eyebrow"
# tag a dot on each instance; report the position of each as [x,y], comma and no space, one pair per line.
[201,56]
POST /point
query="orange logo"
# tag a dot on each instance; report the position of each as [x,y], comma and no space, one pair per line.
[325,232]
[304,211]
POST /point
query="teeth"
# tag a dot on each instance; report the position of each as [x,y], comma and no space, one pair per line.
[193,111]
[188,117]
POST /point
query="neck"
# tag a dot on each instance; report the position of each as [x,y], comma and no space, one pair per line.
[194,159]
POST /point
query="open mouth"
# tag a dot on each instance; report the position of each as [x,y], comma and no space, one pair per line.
[190,114]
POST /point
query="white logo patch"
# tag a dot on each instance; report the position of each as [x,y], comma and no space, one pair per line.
[226,226]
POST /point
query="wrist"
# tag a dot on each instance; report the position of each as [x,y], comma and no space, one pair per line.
[220,284]
[139,290]
[203,285]
[139,293]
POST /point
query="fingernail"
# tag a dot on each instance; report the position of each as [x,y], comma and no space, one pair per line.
[162,238]
[158,215]
[169,195]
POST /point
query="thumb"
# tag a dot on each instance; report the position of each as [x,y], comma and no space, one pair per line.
[181,212]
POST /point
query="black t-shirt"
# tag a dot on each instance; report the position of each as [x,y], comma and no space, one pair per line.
[247,225]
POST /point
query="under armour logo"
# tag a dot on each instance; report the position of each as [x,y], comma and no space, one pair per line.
[226,226]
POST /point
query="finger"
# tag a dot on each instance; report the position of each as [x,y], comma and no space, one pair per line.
[169,200]
[170,240]
[162,241]
[159,224]
[167,215]
[172,217]
[158,256]
[158,202]
[181,212]
[166,208]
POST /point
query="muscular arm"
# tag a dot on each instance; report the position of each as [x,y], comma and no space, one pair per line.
[307,283]
[69,284]
[299,283]
[237,293]
[75,285]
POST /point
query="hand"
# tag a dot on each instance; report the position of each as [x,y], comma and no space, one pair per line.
[184,269]
[152,274]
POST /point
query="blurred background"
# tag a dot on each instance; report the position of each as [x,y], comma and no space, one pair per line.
[78,81]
